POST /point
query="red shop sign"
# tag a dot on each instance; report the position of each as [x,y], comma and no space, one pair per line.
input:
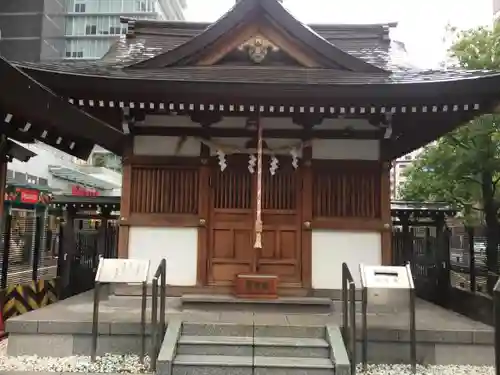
[29,196]
[80,191]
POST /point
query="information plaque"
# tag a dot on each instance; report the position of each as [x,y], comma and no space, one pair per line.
[386,277]
[116,271]
[393,280]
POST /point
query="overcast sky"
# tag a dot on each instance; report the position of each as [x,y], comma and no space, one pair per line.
[421,26]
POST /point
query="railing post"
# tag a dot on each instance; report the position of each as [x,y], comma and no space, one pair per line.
[163,296]
[154,323]
[352,290]
[349,315]
[344,302]
[496,317]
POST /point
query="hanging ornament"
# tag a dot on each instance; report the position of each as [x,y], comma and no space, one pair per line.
[222,160]
[274,165]
[252,161]
[295,157]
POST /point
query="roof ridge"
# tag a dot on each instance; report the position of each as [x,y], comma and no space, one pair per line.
[331,55]
[134,24]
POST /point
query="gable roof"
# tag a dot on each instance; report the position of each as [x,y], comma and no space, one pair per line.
[245,11]
[149,38]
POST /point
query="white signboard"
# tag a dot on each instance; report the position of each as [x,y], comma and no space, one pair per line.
[386,277]
[122,271]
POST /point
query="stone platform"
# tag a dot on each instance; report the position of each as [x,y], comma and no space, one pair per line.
[64,329]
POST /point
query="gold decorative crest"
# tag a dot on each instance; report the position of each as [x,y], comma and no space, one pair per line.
[258,48]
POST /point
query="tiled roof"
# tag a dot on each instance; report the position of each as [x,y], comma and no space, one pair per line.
[255,74]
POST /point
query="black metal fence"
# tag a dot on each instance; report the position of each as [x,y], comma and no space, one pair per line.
[33,250]
[449,266]
[82,251]
[26,249]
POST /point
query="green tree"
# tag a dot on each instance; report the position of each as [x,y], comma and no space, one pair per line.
[463,167]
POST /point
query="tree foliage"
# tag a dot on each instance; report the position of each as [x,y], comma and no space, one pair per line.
[463,167]
[451,169]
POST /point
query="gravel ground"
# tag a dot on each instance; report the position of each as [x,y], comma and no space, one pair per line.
[427,370]
[106,364]
[128,364]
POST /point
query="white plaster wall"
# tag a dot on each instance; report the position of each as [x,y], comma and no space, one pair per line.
[334,149]
[179,246]
[331,248]
[267,123]
[345,149]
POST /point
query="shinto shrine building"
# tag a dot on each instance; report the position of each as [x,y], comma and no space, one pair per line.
[260,145]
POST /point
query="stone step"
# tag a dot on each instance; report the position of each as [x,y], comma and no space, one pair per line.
[248,365]
[248,346]
[207,302]
[246,330]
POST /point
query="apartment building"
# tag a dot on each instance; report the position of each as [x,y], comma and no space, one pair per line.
[496,9]
[31,30]
[92,26]
[34,30]
[398,170]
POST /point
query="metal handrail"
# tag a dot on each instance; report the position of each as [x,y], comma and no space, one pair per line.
[158,328]
[349,314]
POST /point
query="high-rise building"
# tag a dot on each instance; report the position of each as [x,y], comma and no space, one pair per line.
[398,171]
[496,9]
[31,30]
[93,25]
[34,30]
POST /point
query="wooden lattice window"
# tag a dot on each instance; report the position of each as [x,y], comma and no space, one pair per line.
[347,192]
[279,191]
[232,189]
[164,190]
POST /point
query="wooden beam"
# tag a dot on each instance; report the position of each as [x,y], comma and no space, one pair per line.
[248,133]
[385,207]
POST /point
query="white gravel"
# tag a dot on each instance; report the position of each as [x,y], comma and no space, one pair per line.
[127,364]
[108,364]
[130,364]
[427,370]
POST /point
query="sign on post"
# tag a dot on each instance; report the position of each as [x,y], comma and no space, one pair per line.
[117,271]
[392,279]
[120,271]
[386,277]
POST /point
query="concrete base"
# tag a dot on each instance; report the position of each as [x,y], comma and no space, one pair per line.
[65,345]
[429,353]
[64,329]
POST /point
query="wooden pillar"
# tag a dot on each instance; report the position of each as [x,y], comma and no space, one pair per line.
[203,214]
[385,207]
[124,231]
[307,215]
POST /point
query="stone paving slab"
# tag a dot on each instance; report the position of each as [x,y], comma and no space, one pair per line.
[56,373]
[121,315]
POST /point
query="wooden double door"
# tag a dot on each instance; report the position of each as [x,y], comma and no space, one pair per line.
[232,220]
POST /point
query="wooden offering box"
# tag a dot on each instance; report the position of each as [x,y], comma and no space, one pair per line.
[256,286]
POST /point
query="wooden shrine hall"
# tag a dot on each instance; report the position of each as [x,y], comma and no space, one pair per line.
[258,146]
